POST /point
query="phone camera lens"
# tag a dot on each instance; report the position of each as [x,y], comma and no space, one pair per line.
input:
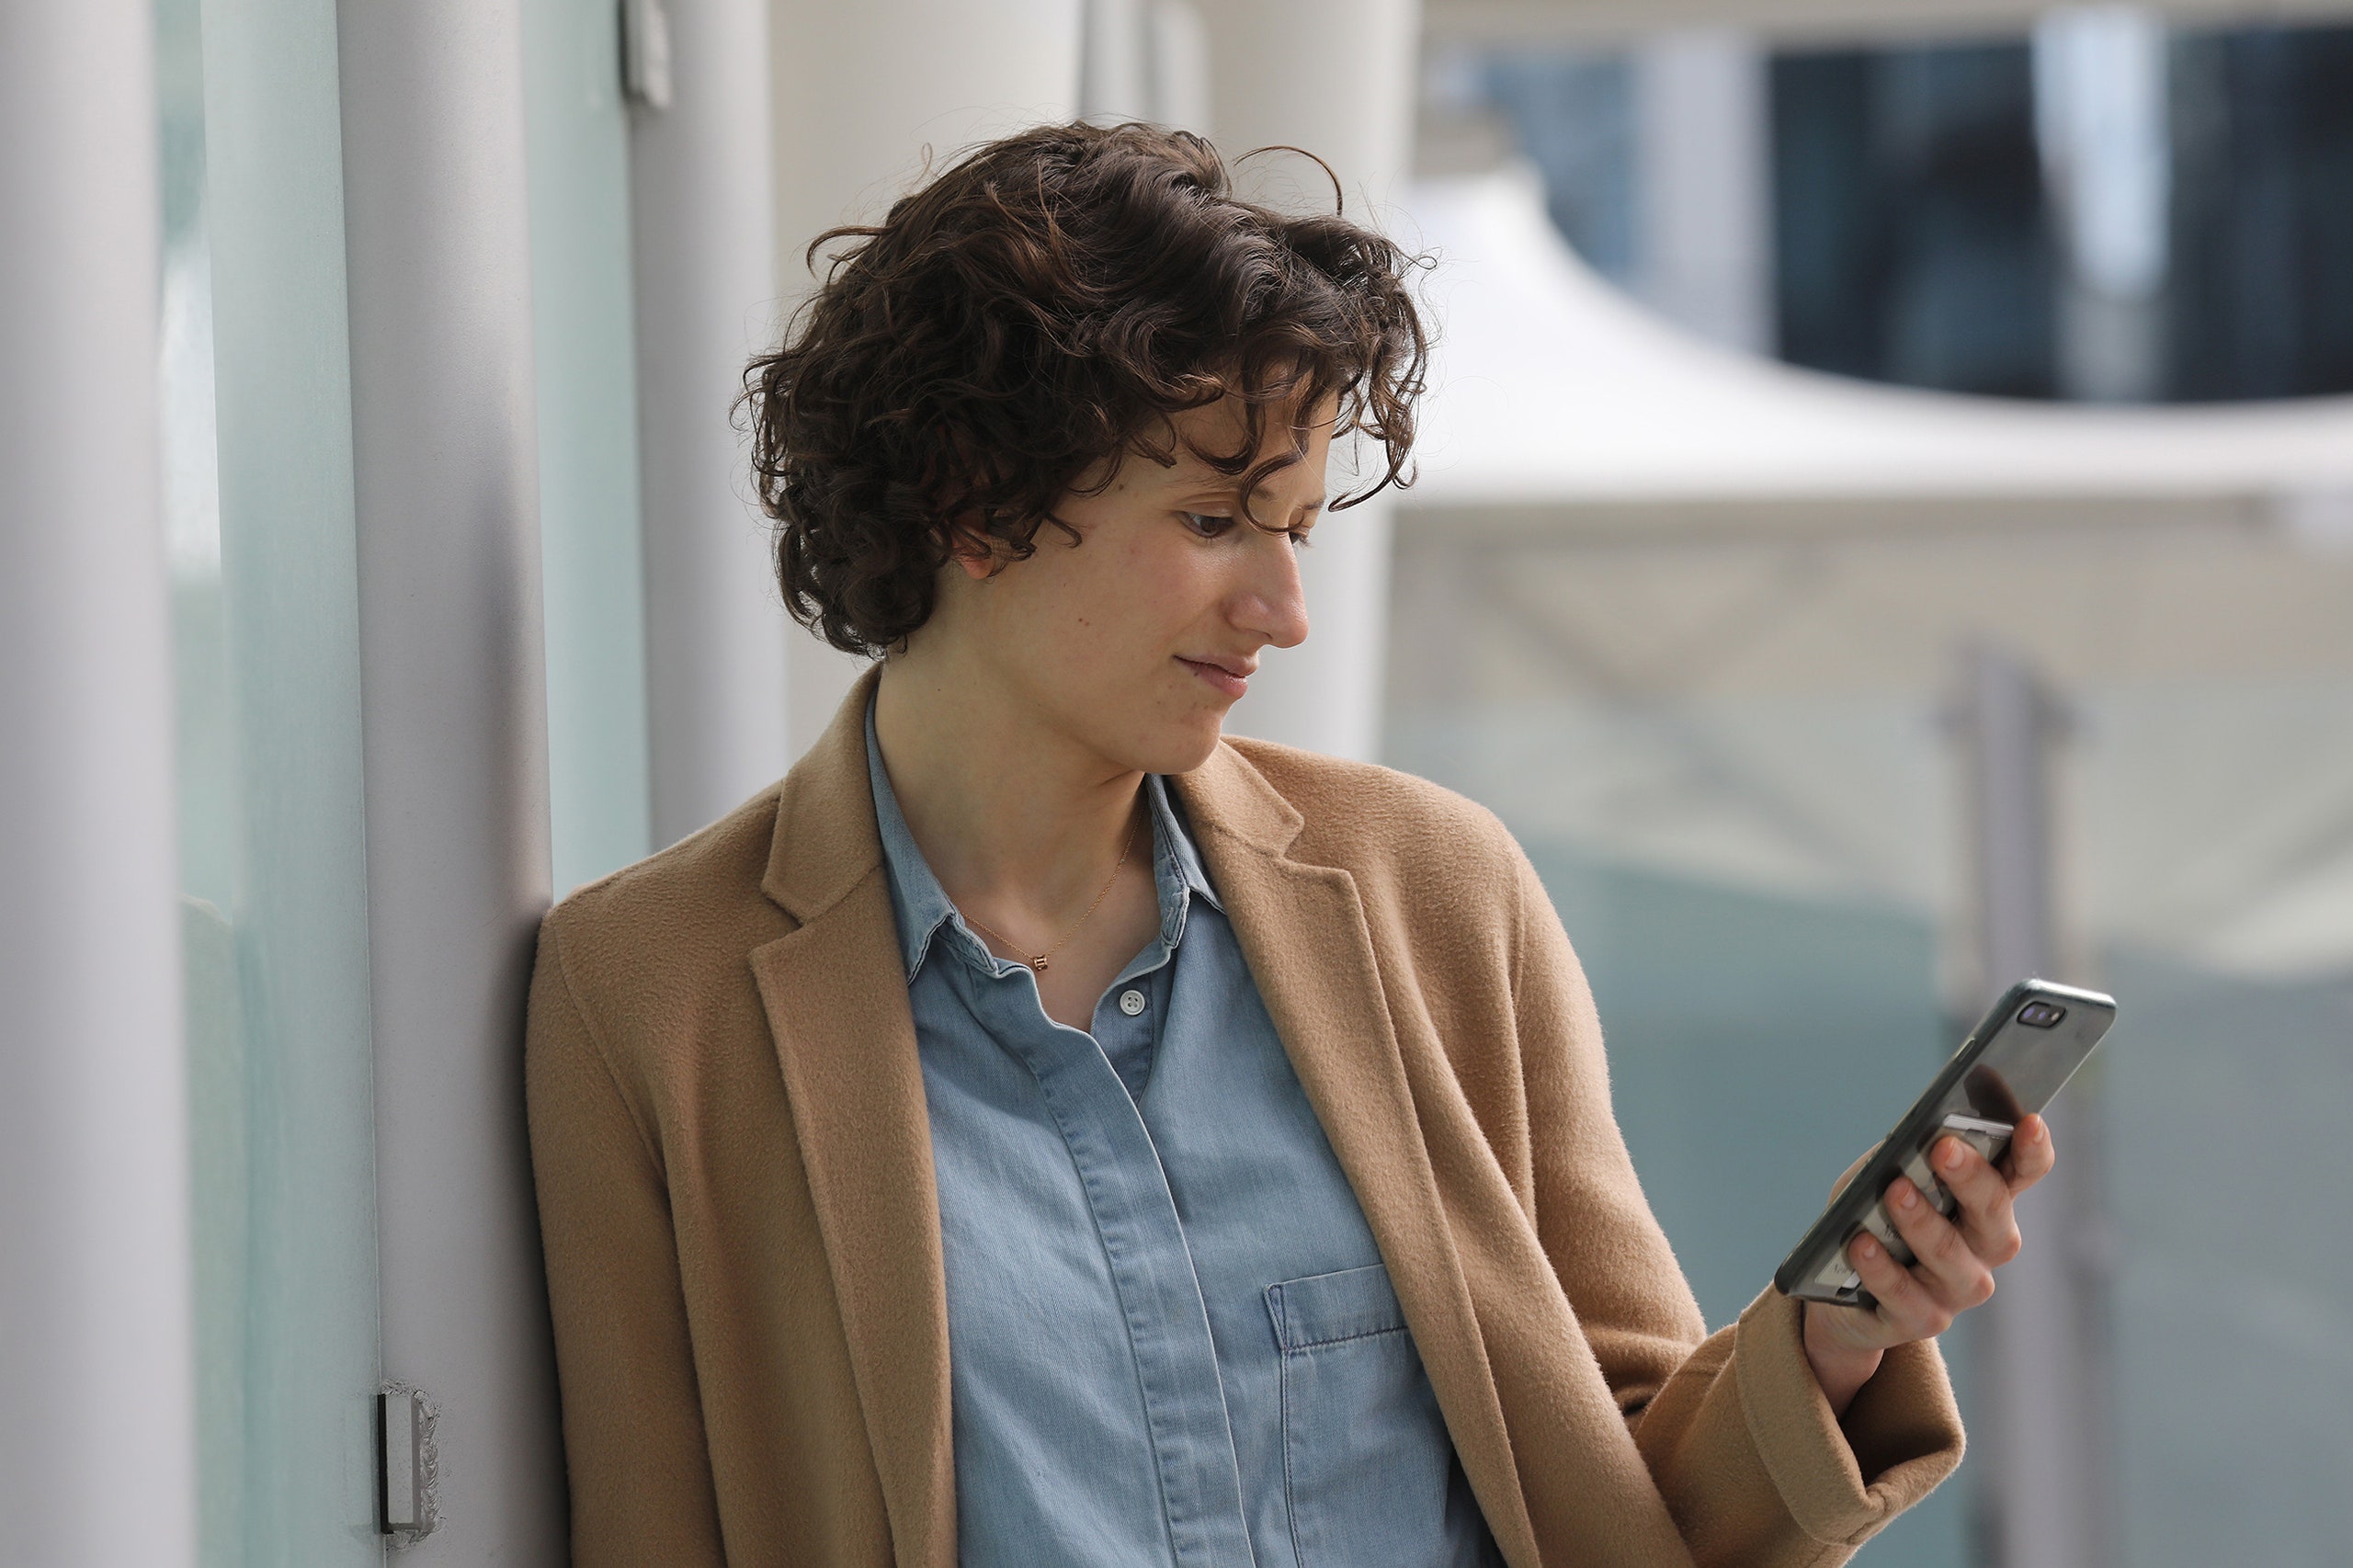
[2041,1015]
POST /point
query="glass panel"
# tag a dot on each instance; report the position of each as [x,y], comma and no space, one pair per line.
[259,514]
[2232,942]
[2234,1290]
[599,778]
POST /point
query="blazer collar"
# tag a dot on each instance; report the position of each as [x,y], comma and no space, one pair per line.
[1227,797]
[825,841]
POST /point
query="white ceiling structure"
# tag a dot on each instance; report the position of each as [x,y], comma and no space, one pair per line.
[1551,385]
[1752,697]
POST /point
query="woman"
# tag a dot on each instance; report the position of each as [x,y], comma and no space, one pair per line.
[1041,1131]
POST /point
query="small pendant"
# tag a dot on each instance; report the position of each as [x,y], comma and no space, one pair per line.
[1039,963]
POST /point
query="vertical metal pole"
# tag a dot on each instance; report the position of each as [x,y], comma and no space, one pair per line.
[97,1418]
[2040,1382]
[454,718]
[702,178]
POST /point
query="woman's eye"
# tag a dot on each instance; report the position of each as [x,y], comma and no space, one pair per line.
[1209,525]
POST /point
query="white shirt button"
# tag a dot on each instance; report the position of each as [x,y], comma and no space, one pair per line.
[1131,1003]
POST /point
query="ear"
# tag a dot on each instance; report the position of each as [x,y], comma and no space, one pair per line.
[975,551]
[979,563]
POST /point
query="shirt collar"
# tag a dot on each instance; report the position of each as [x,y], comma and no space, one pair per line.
[922,907]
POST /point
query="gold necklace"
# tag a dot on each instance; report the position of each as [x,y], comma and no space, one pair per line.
[1037,961]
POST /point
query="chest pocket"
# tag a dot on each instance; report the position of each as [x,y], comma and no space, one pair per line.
[1370,1475]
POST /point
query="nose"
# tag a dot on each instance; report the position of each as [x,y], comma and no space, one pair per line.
[1272,603]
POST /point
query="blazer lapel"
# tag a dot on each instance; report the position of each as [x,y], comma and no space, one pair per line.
[1303,933]
[836,1003]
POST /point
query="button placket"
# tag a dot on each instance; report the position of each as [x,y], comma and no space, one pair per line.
[1152,1271]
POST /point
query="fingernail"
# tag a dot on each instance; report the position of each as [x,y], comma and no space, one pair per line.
[1866,1247]
[1948,1155]
[1907,1197]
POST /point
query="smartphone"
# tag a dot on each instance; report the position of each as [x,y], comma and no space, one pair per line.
[2011,1065]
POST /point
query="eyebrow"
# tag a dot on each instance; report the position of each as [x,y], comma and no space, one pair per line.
[1219,488]
[1313,508]
[1226,492]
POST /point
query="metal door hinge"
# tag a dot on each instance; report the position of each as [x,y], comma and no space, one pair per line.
[407,1464]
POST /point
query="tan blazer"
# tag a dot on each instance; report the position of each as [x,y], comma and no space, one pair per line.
[743,1236]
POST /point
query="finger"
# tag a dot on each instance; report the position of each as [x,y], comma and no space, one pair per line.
[1944,1260]
[1905,1304]
[2031,1154]
[1987,1216]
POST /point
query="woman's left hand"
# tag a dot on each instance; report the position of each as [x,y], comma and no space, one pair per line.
[1954,1259]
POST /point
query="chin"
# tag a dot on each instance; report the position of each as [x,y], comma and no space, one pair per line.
[1179,747]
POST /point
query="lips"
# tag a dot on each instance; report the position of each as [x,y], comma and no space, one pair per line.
[1230,678]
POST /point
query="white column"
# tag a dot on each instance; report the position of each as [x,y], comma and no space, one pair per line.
[1703,208]
[2101,121]
[864,94]
[453,712]
[97,1423]
[1336,78]
[1115,80]
[703,177]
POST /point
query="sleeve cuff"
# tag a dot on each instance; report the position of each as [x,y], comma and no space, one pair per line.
[1842,1483]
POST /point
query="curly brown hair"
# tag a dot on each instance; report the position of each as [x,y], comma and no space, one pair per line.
[1040,308]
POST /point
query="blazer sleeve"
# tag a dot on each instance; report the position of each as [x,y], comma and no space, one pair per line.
[1753,1466]
[642,1486]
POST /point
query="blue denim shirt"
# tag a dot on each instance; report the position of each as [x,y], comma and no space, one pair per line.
[1171,1338]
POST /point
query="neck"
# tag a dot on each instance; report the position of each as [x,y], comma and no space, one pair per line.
[1011,813]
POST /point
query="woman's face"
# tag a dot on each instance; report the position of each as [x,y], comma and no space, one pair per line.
[1135,642]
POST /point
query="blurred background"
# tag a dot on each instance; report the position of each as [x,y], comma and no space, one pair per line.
[1883,528]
